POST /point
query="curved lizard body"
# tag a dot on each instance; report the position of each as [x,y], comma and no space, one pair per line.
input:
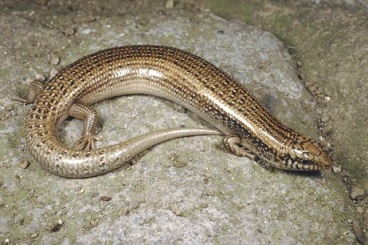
[165,72]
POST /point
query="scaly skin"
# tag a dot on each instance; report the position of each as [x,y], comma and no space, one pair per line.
[165,72]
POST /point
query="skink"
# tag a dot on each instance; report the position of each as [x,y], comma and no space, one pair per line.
[249,128]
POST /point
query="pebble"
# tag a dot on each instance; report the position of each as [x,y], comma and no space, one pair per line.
[176,210]
[24,164]
[357,193]
[203,205]
[359,210]
[68,31]
[179,163]
[358,231]
[105,198]
[327,129]
[323,142]
[39,77]
[169,4]
[9,107]
[56,227]
[54,60]
[336,168]
[325,118]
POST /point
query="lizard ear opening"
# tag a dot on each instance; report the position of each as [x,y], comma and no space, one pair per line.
[307,162]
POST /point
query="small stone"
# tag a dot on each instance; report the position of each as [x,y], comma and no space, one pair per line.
[179,163]
[54,60]
[327,129]
[325,118]
[24,164]
[56,227]
[68,31]
[105,198]
[323,142]
[359,210]
[327,147]
[169,4]
[204,205]
[9,107]
[39,77]
[176,210]
[336,168]
[358,231]
[319,123]
[357,193]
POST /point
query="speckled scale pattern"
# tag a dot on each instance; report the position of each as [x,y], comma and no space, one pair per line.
[172,74]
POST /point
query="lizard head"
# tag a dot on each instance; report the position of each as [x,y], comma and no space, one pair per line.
[306,154]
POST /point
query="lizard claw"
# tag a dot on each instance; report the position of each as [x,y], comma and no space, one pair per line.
[87,142]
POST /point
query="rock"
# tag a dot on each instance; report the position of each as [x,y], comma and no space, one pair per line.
[357,193]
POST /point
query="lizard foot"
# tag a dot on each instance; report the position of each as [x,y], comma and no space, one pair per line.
[87,142]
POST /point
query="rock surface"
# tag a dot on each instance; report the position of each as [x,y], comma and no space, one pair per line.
[213,197]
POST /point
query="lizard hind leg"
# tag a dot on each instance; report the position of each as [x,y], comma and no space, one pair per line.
[89,117]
